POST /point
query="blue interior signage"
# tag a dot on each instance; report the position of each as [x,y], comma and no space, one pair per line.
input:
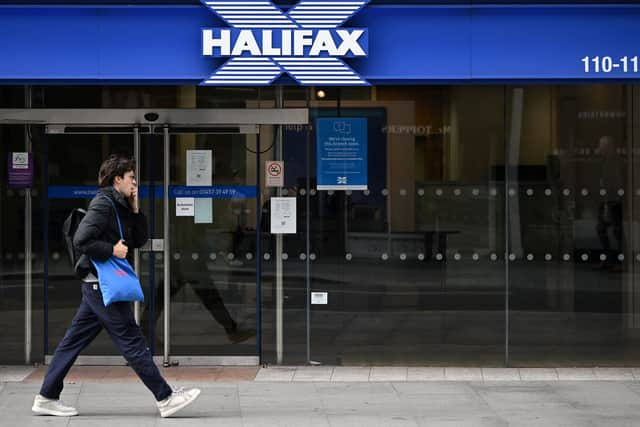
[342,154]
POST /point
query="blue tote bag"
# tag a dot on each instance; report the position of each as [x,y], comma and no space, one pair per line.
[118,281]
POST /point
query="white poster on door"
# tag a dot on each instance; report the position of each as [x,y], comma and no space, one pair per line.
[283,215]
[200,173]
[203,211]
[199,167]
[185,206]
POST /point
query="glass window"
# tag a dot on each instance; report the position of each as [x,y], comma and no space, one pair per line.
[409,266]
[13,251]
[499,226]
[572,288]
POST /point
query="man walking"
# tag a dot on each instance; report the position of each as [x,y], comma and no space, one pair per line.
[98,238]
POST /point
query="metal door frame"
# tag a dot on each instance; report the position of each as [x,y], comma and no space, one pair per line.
[149,116]
[67,121]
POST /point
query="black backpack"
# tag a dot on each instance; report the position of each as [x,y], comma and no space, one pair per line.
[69,228]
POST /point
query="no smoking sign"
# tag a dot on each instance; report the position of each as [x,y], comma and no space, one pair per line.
[274,173]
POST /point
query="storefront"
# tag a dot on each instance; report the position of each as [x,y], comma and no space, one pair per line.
[487,218]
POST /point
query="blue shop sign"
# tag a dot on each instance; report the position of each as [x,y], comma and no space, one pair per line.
[263,42]
[342,154]
[379,45]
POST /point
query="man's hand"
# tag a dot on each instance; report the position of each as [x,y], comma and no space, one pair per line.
[120,249]
[133,200]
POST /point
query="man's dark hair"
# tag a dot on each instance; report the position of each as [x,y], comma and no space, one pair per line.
[115,165]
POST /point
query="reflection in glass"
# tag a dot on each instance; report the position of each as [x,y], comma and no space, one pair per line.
[212,286]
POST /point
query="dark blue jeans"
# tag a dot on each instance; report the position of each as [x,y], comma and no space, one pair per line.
[120,323]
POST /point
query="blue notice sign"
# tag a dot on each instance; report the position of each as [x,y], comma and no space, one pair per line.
[342,154]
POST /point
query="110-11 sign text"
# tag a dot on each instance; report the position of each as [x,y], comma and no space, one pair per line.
[607,64]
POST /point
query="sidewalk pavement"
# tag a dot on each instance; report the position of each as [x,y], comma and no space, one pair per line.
[247,397]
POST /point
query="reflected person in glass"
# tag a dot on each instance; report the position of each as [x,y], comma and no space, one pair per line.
[610,212]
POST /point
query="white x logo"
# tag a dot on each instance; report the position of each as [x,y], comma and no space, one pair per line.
[313,15]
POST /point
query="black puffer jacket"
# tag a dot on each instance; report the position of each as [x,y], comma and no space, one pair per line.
[98,231]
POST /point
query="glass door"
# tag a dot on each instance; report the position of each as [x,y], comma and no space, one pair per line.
[210,247]
[210,241]
[72,163]
[198,174]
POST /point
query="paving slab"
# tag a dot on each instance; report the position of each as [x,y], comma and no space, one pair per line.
[441,388]
[500,374]
[346,373]
[463,374]
[576,374]
[276,374]
[538,374]
[313,373]
[516,397]
[26,419]
[15,373]
[425,374]
[397,420]
[614,374]
[388,374]
[636,373]
[487,420]
[601,398]
[345,398]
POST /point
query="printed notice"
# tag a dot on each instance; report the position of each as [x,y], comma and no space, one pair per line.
[342,154]
[185,206]
[20,160]
[199,167]
[319,298]
[203,211]
[283,215]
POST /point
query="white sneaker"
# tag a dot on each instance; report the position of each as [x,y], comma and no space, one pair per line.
[44,406]
[177,400]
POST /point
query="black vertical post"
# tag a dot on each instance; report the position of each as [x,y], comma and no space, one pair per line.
[507,235]
[152,256]
[308,232]
[258,253]
[45,237]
